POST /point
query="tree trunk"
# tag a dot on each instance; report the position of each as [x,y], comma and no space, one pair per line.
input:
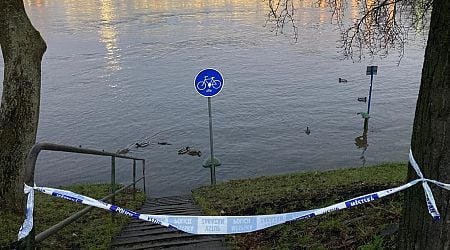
[430,141]
[22,47]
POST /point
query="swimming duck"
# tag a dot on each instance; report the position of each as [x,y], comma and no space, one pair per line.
[123,151]
[307,131]
[183,151]
[342,80]
[194,152]
[190,151]
[141,144]
[362,99]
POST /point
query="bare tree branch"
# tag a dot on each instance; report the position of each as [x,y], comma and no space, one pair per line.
[383,25]
[280,13]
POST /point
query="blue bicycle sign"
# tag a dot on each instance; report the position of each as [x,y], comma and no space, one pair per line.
[208,82]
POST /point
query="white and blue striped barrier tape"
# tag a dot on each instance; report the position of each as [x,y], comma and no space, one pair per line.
[229,224]
[27,225]
[431,204]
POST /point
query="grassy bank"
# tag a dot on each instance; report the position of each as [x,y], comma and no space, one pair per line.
[369,226]
[92,231]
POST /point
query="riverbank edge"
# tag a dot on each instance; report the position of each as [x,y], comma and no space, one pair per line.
[365,227]
[94,230]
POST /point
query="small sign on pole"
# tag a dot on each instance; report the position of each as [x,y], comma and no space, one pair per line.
[208,83]
[372,70]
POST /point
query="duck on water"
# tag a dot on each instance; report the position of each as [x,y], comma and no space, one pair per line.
[307,131]
[125,151]
[141,144]
[190,151]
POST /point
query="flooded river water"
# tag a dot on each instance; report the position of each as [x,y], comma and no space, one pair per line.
[118,72]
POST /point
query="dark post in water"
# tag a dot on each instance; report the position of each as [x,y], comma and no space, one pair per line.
[371,70]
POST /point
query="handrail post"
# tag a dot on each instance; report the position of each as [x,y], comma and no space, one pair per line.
[30,164]
[143,174]
[28,242]
[134,179]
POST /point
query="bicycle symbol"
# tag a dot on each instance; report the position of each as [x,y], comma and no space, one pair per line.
[210,83]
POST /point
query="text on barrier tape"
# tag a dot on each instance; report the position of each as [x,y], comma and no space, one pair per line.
[229,224]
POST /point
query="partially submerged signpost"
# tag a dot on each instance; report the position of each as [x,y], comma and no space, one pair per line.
[209,83]
[371,70]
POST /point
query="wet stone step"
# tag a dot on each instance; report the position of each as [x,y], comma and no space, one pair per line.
[138,234]
[153,207]
[203,243]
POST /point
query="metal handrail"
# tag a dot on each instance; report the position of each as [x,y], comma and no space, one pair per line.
[30,166]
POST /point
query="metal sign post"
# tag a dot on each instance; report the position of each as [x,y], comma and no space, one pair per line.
[209,83]
[371,70]
[213,166]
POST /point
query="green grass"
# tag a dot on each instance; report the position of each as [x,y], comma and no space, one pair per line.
[351,228]
[94,230]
